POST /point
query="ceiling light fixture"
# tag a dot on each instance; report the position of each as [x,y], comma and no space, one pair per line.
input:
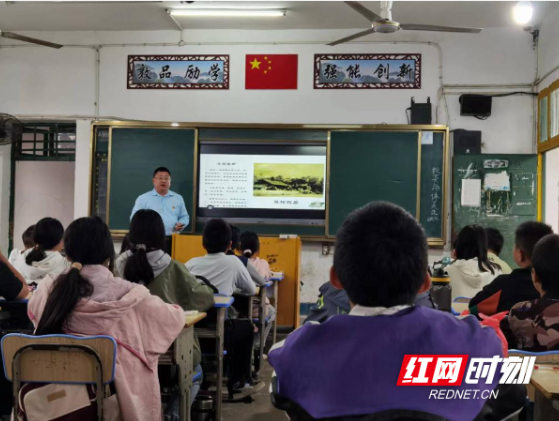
[228,13]
[80,1]
[523,12]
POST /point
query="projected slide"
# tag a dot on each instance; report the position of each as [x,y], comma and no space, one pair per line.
[282,182]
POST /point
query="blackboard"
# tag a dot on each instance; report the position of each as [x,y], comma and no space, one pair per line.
[501,210]
[384,162]
[135,153]
[367,166]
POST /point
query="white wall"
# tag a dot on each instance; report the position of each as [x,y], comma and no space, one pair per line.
[548,51]
[67,87]
[42,189]
[5,159]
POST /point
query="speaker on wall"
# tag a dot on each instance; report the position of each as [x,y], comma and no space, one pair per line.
[466,141]
[475,105]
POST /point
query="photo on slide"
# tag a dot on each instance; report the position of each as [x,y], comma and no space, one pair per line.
[288,180]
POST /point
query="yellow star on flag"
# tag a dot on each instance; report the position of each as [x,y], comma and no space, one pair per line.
[255,64]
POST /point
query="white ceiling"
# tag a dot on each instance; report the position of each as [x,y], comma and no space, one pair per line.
[138,16]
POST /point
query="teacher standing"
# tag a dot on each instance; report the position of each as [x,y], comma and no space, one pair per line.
[167,203]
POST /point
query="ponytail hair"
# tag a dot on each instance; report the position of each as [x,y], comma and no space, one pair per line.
[87,241]
[147,233]
[249,244]
[47,234]
[471,243]
[68,290]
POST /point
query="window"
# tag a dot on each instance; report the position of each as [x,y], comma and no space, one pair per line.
[543,119]
[47,141]
[554,114]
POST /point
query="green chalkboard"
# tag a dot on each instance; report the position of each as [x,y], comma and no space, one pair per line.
[371,165]
[431,213]
[503,210]
[135,153]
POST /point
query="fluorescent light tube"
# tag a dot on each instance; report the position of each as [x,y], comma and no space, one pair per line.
[228,13]
[80,1]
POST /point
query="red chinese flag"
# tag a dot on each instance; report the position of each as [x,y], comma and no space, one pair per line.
[271,71]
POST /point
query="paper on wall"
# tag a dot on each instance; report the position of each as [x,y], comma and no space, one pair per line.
[497,181]
[426,138]
[471,192]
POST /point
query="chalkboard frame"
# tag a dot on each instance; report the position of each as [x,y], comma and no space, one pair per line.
[433,241]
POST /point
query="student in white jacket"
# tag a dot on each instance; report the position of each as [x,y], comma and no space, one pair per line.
[44,258]
[471,270]
[27,238]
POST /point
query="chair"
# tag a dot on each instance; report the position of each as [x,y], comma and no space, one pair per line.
[62,359]
[459,300]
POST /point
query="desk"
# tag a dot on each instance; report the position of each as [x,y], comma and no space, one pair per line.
[181,355]
[460,307]
[275,295]
[546,383]
[261,321]
[221,303]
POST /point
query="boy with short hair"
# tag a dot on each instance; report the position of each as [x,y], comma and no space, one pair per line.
[507,290]
[226,273]
[495,242]
[229,275]
[349,365]
[533,324]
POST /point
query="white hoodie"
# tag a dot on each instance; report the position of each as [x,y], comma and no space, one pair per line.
[54,264]
[466,279]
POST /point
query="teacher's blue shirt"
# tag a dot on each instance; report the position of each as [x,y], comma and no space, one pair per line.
[171,208]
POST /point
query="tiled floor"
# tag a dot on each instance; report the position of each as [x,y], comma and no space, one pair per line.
[261,409]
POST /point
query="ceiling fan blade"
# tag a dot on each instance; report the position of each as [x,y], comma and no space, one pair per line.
[351,37]
[359,8]
[436,28]
[23,38]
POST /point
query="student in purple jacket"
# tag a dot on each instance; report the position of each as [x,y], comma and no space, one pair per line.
[349,365]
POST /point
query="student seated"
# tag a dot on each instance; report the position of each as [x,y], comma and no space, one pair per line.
[507,290]
[226,273]
[146,263]
[495,242]
[471,270]
[533,324]
[44,258]
[332,301]
[89,300]
[28,243]
[255,275]
[349,365]
[12,283]
[249,245]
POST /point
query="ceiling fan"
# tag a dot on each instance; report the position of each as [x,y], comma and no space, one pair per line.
[23,38]
[384,24]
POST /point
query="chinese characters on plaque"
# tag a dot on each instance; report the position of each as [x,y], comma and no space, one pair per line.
[178,72]
[367,71]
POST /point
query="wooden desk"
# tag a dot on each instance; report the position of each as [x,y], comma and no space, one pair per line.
[261,321]
[275,296]
[546,383]
[181,356]
[221,303]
